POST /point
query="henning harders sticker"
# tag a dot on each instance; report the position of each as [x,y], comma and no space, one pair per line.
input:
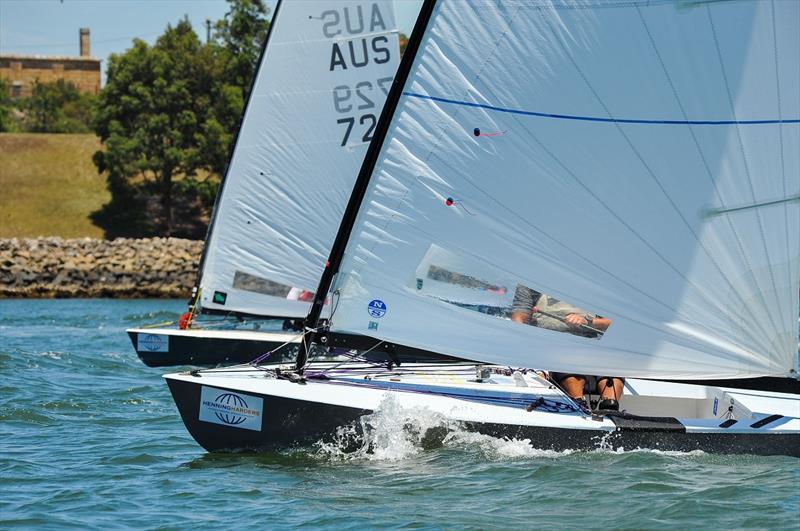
[152,343]
[376,308]
[236,410]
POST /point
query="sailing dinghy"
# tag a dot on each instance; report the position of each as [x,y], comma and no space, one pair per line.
[634,159]
[320,85]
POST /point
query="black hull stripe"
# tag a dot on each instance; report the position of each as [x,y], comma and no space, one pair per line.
[767,420]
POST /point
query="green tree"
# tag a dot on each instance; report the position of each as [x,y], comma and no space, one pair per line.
[6,106]
[241,34]
[167,117]
[157,117]
[57,107]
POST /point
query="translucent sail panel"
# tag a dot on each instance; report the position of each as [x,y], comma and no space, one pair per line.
[638,160]
[319,89]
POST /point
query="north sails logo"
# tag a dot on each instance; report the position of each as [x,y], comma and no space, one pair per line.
[231,409]
[377,308]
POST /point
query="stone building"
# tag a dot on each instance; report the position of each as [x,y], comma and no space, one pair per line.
[21,71]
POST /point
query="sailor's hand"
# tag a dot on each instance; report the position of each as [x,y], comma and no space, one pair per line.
[575,320]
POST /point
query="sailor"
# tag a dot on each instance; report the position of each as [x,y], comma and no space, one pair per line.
[539,309]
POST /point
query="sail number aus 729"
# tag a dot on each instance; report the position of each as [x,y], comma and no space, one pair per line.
[347,100]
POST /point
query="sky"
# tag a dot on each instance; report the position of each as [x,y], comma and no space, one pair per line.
[51,27]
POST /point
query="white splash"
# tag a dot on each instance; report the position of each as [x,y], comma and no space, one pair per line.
[497,448]
[394,433]
[390,433]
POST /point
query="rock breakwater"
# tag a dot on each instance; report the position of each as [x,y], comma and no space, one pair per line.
[123,268]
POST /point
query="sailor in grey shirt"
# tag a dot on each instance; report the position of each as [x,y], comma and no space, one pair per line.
[572,317]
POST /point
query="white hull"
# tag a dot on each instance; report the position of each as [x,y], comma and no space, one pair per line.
[269,411]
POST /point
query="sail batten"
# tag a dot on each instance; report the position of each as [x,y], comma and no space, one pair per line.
[576,151]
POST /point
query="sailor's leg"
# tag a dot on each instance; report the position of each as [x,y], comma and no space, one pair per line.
[610,390]
[573,384]
[610,387]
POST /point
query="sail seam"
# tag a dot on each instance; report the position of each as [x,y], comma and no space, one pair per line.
[712,180]
[710,301]
[767,307]
[433,150]
[780,145]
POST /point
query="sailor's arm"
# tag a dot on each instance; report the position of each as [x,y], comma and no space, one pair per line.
[521,308]
[576,320]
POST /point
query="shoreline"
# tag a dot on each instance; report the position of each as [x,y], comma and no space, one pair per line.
[131,268]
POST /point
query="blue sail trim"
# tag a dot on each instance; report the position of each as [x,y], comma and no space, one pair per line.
[598,119]
[515,400]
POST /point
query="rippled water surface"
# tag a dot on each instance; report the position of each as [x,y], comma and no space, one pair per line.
[90,438]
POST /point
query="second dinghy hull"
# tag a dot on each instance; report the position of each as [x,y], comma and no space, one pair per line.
[169,347]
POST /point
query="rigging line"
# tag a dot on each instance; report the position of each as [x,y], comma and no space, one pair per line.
[749,178]
[488,107]
[94,41]
[650,172]
[516,402]
[332,306]
[359,357]
[711,179]
[157,325]
[435,144]
[266,355]
[780,135]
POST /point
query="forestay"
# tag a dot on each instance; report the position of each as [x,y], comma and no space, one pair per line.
[319,89]
[636,159]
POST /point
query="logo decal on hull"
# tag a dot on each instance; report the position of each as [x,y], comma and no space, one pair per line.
[228,408]
[152,343]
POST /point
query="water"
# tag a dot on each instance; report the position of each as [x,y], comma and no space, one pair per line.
[90,438]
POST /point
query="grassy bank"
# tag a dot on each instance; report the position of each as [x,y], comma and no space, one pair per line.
[49,186]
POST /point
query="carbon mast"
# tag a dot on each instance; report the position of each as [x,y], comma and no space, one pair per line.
[362,181]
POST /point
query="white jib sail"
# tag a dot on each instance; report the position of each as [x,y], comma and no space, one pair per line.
[637,160]
[318,92]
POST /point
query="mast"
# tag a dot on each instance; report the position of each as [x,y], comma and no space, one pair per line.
[214,210]
[362,181]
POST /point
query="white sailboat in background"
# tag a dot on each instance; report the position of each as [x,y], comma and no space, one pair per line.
[316,97]
[637,159]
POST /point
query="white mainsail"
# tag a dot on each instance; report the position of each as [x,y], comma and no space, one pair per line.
[319,89]
[637,159]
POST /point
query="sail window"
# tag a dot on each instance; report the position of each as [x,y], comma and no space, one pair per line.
[256,284]
[473,284]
